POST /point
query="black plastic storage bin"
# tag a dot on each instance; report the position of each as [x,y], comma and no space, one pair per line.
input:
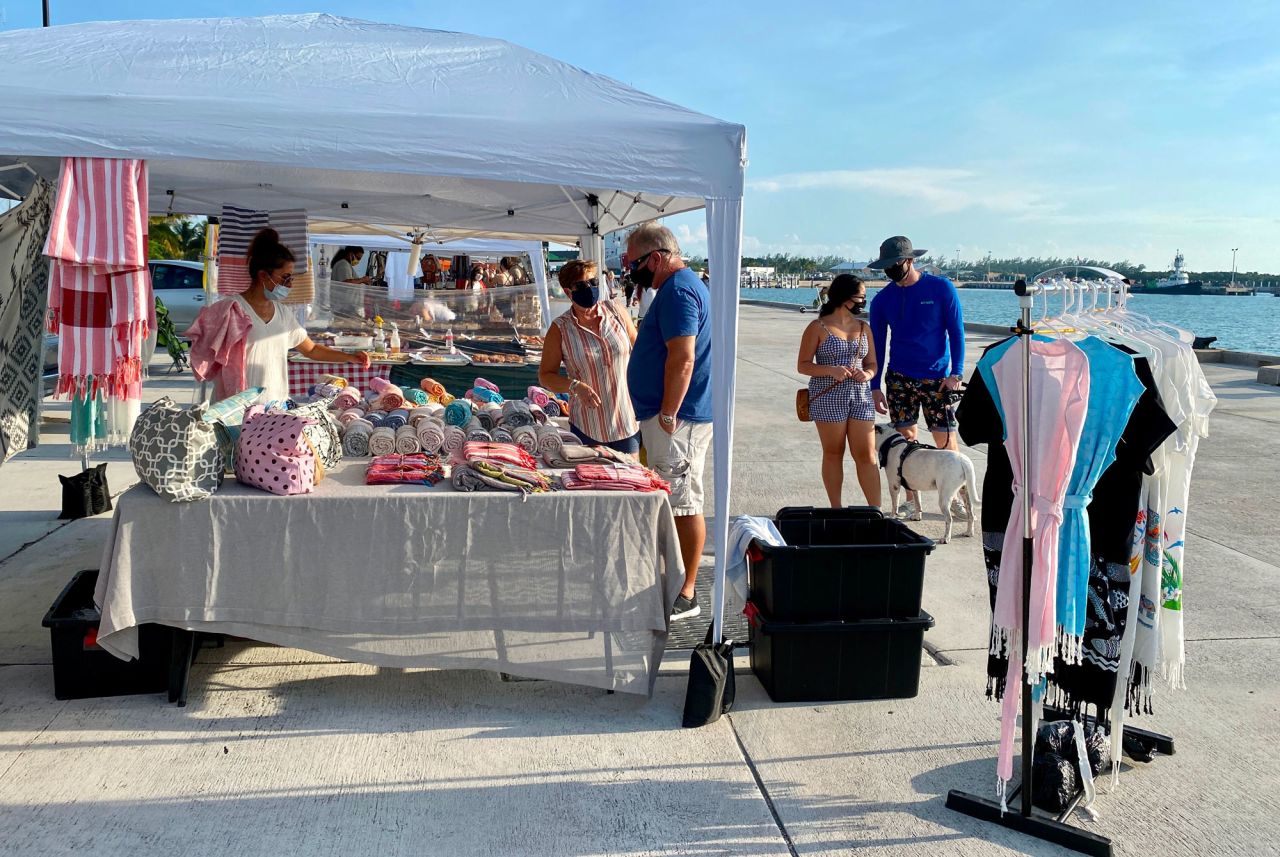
[840,565]
[82,668]
[831,661]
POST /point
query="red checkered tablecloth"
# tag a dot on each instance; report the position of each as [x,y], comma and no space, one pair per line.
[303,375]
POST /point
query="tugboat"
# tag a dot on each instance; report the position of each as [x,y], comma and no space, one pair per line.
[1177,283]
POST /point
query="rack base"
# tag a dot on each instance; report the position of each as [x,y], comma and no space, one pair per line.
[1162,744]
[1047,829]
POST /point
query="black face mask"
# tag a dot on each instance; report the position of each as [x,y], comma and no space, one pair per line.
[896,272]
[586,296]
[858,307]
[642,277]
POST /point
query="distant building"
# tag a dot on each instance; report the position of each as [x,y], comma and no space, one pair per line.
[615,246]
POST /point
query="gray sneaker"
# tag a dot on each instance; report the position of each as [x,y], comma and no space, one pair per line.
[685,608]
[909,511]
[958,509]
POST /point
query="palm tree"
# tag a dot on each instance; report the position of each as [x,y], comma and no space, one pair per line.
[174,237]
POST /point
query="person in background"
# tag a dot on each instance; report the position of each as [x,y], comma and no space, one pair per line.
[628,289]
[706,278]
[837,353]
[916,319]
[343,269]
[275,329]
[670,381]
[430,271]
[593,340]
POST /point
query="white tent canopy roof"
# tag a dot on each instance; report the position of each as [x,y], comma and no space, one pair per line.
[361,122]
[458,135]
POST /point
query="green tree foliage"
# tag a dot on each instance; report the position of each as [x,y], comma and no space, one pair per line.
[172,237]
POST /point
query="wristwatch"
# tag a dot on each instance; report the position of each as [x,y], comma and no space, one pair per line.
[666,419]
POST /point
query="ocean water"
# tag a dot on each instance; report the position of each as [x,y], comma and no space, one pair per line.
[1240,323]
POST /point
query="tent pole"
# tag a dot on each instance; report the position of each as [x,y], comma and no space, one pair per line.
[46,13]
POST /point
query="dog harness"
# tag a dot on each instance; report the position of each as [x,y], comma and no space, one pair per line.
[911,446]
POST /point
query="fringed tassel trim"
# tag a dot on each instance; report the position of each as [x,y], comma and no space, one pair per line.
[1069,646]
[1175,675]
[1001,641]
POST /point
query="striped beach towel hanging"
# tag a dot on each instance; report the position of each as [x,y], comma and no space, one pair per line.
[100,296]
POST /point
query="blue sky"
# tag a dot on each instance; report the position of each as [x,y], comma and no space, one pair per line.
[1120,130]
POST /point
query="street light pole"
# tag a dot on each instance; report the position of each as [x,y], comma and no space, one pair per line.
[46,13]
[1233,266]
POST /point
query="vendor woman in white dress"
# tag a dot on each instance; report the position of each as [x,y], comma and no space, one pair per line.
[275,328]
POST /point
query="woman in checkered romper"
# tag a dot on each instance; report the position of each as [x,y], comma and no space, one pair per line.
[838,355]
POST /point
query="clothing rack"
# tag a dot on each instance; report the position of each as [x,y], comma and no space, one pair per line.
[1051,829]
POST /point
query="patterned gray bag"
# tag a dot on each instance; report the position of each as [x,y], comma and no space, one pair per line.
[323,431]
[177,453]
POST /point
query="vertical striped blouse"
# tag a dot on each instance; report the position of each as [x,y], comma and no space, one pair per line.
[601,361]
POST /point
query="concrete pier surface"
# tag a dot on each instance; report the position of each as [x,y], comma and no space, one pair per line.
[284,752]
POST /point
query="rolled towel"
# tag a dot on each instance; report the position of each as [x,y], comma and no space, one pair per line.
[550,444]
[527,438]
[490,415]
[487,385]
[418,397]
[355,441]
[397,419]
[391,399]
[381,385]
[446,399]
[539,396]
[458,414]
[436,409]
[552,408]
[516,414]
[465,478]
[349,398]
[476,432]
[502,435]
[417,415]
[539,415]
[335,380]
[481,394]
[431,436]
[350,414]
[382,441]
[378,418]
[454,438]
[407,442]
[432,387]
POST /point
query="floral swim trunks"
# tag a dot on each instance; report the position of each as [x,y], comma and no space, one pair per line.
[908,396]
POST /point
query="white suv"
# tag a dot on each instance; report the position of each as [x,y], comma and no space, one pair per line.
[180,285]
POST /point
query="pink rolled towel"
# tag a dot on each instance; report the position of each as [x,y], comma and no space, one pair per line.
[488,385]
[381,385]
[538,396]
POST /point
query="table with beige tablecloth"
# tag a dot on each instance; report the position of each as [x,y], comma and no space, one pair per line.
[566,586]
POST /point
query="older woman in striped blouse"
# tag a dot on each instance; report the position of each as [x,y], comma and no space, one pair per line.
[592,340]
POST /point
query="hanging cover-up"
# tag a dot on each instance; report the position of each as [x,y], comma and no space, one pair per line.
[100,290]
[1059,399]
[24,289]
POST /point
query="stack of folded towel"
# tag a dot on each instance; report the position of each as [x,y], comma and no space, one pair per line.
[418,469]
[613,477]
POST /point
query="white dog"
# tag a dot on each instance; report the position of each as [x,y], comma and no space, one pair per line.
[927,469]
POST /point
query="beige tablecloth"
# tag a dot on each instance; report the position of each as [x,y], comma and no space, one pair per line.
[568,586]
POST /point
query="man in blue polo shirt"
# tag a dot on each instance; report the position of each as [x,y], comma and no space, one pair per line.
[670,381]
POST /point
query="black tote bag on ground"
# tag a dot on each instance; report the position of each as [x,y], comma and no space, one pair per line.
[711,682]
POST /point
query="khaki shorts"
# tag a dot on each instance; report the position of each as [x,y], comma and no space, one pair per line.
[678,458]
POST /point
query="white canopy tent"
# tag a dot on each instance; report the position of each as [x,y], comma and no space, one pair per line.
[401,242]
[360,122]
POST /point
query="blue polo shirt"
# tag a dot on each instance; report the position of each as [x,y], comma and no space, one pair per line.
[681,307]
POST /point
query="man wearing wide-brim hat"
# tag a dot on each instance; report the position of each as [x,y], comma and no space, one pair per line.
[919,316]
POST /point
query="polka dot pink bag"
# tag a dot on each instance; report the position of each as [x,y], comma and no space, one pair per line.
[273,454]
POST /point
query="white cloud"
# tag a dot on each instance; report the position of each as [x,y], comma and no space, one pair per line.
[943,191]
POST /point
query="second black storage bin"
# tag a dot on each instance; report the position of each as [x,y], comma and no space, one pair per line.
[830,661]
[840,565]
